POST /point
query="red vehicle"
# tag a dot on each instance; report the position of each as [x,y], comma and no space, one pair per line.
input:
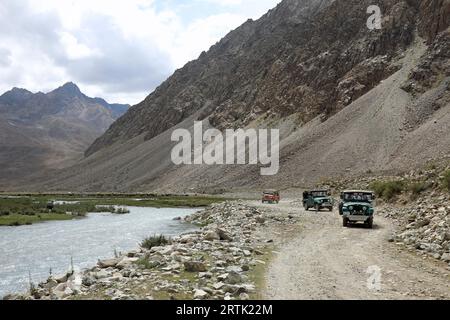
[271,196]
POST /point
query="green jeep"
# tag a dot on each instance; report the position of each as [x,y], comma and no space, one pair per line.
[357,206]
[318,199]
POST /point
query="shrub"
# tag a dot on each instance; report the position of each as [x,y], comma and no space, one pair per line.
[446,180]
[388,189]
[417,188]
[5,213]
[155,241]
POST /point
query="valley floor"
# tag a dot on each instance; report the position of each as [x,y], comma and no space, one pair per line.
[326,261]
[246,249]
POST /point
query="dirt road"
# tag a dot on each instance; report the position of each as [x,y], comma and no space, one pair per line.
[327,261]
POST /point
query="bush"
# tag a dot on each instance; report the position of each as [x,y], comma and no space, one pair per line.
[155,241]
[388,189]
[417,188]
[5,213]
[446,180]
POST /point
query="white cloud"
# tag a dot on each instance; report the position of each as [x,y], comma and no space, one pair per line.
[119,50]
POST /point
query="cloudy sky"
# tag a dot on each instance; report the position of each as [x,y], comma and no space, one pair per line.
[116,49]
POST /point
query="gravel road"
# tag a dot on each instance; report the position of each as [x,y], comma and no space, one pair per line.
[326,261]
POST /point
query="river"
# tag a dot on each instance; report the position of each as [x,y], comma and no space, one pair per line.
[37,248]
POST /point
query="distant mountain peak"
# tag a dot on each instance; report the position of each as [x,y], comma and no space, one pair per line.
[69,89]
[15,95]
[20,90]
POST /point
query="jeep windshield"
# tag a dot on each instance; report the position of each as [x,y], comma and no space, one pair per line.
[318,194]
[358,197]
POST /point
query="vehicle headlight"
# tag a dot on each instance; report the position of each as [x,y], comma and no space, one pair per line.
[350,208]
[364,209]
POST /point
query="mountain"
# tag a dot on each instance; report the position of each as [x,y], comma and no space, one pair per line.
[347,100]
[41,131]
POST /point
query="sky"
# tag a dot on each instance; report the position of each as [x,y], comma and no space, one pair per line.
[114,49]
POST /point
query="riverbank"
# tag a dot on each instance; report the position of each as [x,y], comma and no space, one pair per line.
[226,259]
[26,209]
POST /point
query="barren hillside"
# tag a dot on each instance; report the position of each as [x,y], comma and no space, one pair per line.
[347,100]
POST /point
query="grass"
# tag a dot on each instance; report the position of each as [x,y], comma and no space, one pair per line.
[417,188]
[155,241]
[136,200]
[388,189]
[20,220]
[23,209]
[257,275]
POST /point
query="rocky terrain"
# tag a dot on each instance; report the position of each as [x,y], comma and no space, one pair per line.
[221,261]
[48,131]
[424,225]
[279,252]
[345,98]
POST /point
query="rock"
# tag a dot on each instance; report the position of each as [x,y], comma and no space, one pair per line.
[102,274]
[422,223]
[68,292]
[108,263]
[218,285]
[133,254]
[60,278]
[60,288]
[200,294]
[126,262]
[258,252]
[211,236]
[50,284]
[224,235]
[233,278]
[194,266]
[445,257]
[260,219]
[243,296]
[88,281]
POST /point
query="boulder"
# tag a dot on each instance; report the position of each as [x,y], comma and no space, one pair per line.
[108,263]
[200,294]
[233,278]
[224,235]
[445,257]
[126,262]
[211,236]
[60,278]
[194,266]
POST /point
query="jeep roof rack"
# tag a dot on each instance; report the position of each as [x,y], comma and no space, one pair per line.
[358,191]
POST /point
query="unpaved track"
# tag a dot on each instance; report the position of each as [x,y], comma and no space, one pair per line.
[327,261]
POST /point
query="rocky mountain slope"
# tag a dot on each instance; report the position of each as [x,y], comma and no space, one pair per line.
[47,131]
[346,99]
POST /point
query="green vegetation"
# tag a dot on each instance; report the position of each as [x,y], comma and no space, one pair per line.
[15,220]
[24,209]
[417,188]
[446,180]
[388,189]
[155,241]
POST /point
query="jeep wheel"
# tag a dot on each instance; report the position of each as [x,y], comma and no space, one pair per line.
[370,224]
[345,222]
[331,209]
[317,207]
